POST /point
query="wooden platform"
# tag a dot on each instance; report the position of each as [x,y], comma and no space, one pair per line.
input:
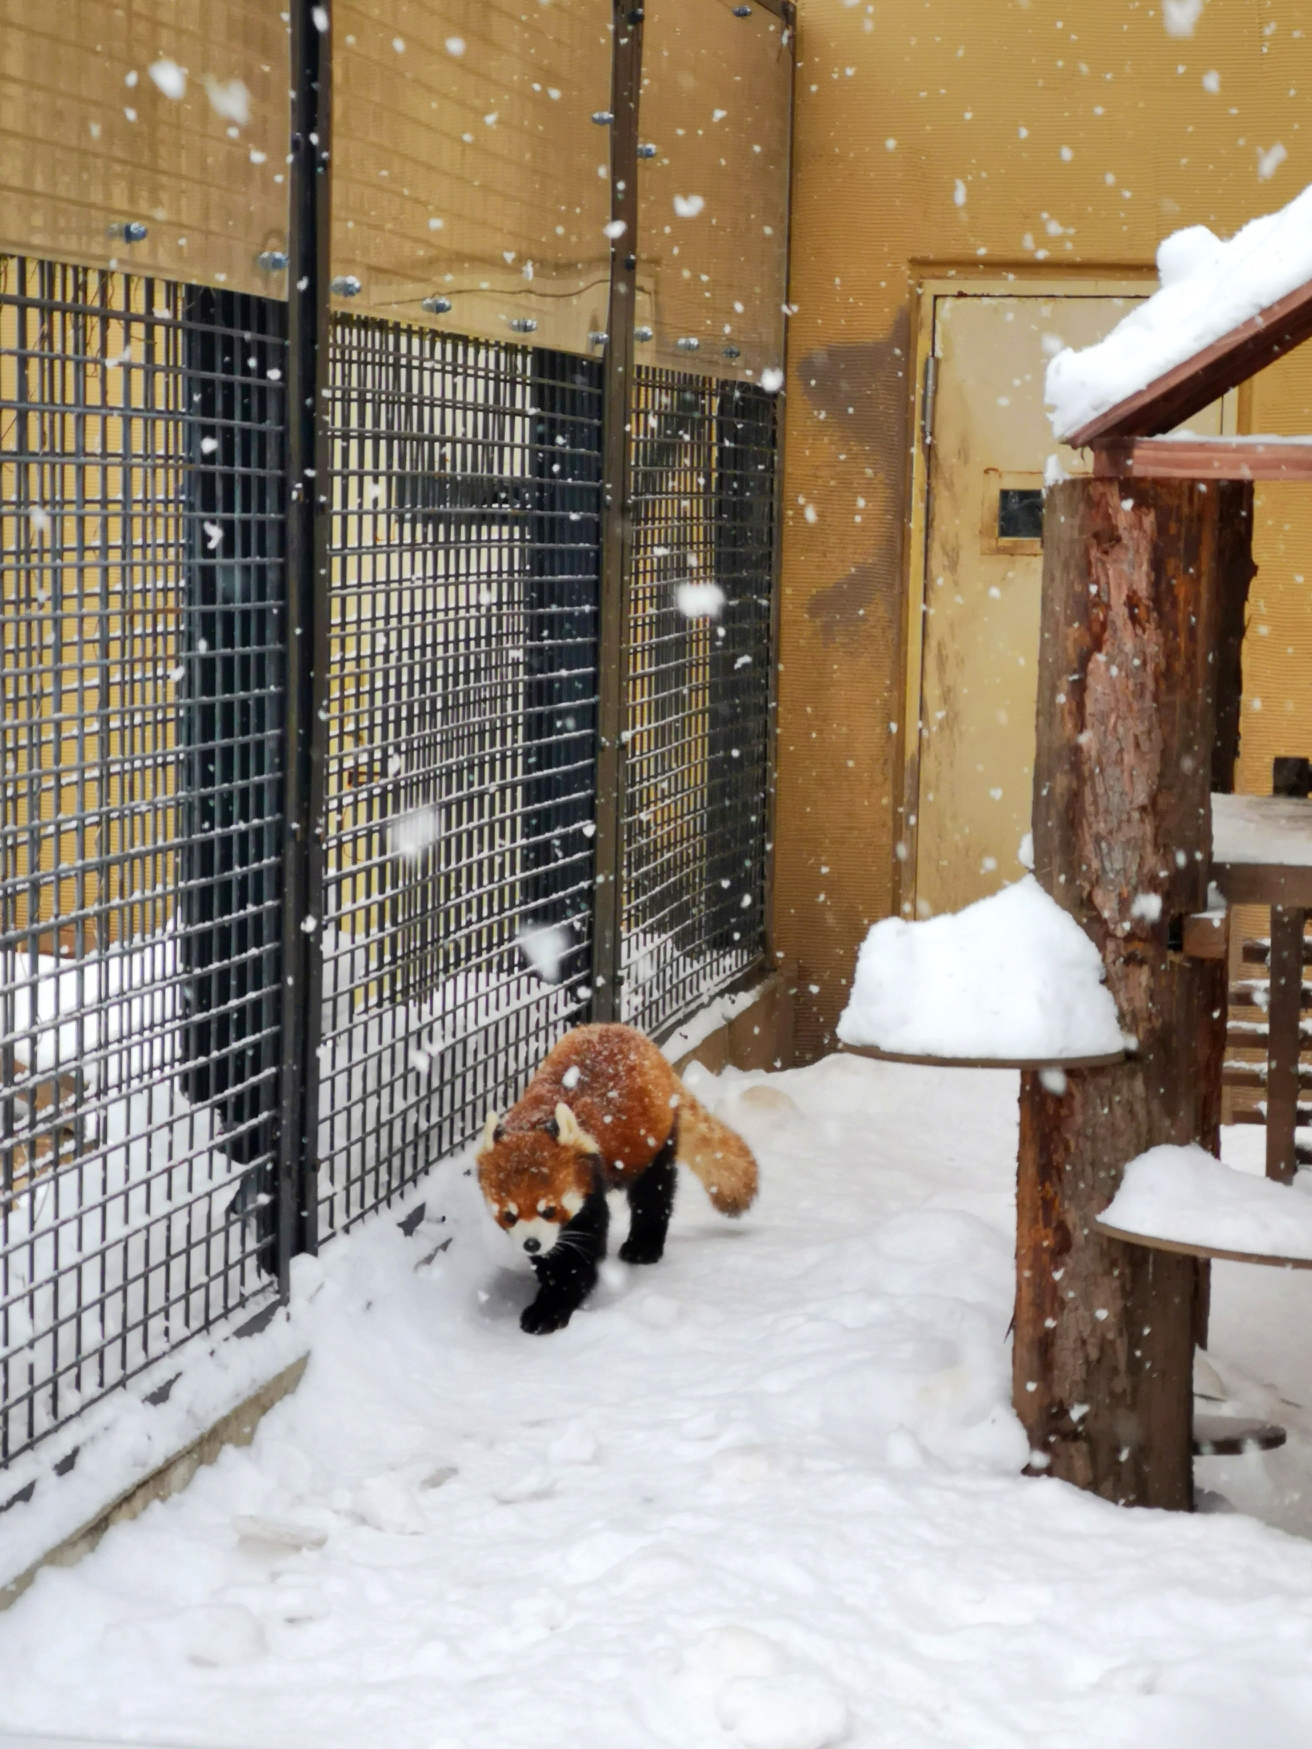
[1183,1248]
[983,1062]
[1229,1435]
[1262,849]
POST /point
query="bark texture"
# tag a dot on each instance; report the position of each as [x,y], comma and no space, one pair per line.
[1122,832]
[1235,573]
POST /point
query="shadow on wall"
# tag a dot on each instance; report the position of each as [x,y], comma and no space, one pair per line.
[862,387]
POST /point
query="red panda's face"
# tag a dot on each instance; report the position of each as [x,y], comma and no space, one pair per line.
[534,1185]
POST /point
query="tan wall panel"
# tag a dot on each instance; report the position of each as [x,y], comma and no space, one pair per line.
[82,151]
[1277,715]
[985,98]
[88,648]
[477,176]
[715,104]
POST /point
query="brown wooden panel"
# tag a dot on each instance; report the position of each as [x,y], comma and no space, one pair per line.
[715,104]
[89,142]
[467,166]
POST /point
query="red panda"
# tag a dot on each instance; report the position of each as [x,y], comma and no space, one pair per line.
[604,1111]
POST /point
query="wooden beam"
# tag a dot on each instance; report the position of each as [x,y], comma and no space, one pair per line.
[1283,1042]
[1234,573]
[1188,387]
[1265,883]
[1205,458]
[1207,935]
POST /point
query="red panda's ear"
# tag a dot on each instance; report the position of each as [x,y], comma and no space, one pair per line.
[493,1130]
[571,1132]
[552,1128]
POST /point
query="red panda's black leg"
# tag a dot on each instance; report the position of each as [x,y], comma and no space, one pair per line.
[651,1202]
[568,1272]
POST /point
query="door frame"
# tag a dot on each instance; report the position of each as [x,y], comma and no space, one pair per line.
[928,290]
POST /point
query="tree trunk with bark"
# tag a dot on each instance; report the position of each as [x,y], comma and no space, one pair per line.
[1122,837]
[1235,571]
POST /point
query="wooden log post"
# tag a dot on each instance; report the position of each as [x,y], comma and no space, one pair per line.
[1234,575]
[1103,1356]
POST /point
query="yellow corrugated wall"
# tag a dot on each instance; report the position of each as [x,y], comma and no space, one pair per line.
[944,136]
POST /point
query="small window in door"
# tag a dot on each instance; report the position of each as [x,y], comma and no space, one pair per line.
[1020,513]
[1012,513]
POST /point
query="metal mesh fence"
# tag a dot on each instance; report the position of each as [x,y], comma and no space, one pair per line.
[143,463]
[698,692]
[461,741]
[140,835]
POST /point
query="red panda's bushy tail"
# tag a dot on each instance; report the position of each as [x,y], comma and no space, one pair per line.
[718,1156]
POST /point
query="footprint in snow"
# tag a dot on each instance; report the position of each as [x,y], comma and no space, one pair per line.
[792,1711]
[758,1699]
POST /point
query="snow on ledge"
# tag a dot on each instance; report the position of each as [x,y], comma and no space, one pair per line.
[1012,976]
[1208,287]
[1262,829]
[125,1437]
[708,1020]
[1189,1197]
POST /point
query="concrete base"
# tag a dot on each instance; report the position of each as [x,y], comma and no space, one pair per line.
[235,1428]
[759,1037]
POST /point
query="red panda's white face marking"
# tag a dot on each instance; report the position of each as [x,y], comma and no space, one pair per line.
[534,1184]
[537,1232]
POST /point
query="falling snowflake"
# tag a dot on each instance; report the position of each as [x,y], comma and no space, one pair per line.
[169,78]
[699,600]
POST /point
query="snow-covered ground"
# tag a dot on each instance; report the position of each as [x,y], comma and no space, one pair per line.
[761,1496]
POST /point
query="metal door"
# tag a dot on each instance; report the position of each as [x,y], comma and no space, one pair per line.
[990,440]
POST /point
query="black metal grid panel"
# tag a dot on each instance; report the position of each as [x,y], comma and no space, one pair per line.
[460,741]
[698,693]
[140,583]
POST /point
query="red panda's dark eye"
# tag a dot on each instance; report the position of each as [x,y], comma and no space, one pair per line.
[507,1218]
[551,1214]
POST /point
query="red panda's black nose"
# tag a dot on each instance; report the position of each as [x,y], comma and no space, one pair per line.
[532,1245]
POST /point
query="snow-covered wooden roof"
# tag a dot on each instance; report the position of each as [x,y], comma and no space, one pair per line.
[1224,311]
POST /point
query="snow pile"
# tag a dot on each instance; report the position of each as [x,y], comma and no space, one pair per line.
[136,1235]
[1012,977]
[1208,287]
[762,1496]
[1187,1195]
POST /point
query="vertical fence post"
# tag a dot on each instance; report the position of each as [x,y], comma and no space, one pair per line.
[617,512]
[308,510]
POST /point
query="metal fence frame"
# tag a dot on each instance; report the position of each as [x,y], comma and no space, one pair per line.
[601,484]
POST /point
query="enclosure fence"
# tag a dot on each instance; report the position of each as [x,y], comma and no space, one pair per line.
[305,592]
